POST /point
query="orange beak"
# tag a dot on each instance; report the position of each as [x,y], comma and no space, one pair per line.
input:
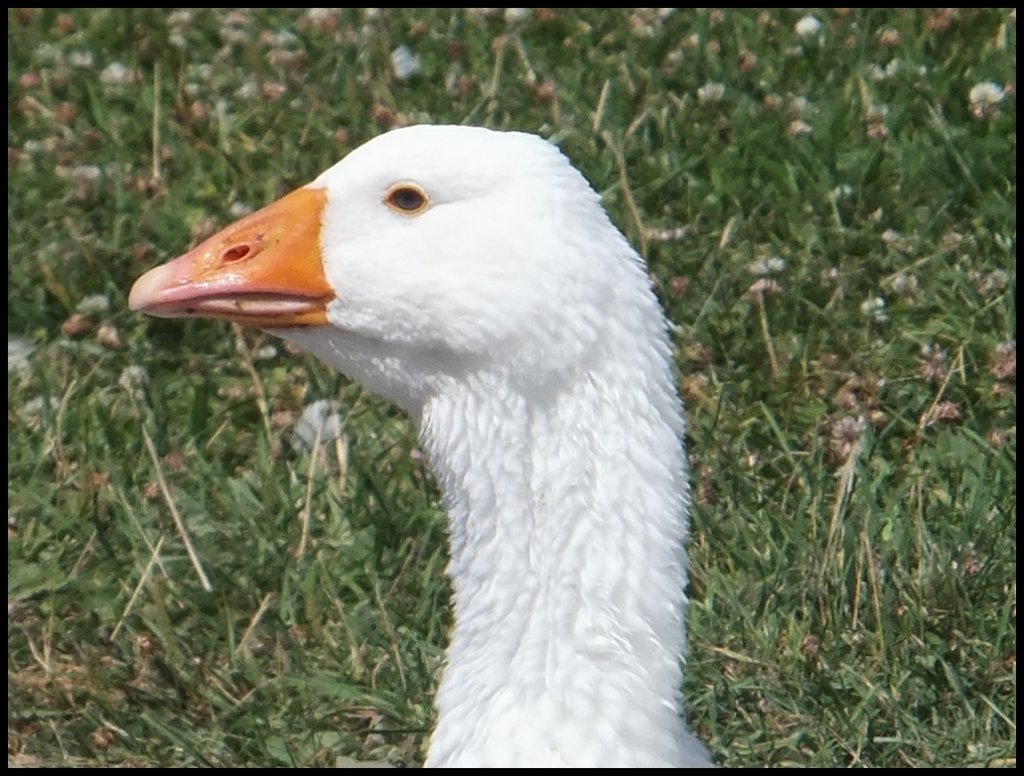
[265,270]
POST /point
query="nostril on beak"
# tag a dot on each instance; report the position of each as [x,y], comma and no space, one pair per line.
[235,253]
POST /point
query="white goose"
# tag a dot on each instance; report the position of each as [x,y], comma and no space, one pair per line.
[472,277]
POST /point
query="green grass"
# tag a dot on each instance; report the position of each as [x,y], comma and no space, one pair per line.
[854,584]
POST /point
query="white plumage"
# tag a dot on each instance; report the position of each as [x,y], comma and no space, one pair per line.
[517,327]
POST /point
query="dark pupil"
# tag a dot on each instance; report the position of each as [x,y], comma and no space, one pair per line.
[407,199]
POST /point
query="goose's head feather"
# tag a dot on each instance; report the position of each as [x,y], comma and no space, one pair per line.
[439,248]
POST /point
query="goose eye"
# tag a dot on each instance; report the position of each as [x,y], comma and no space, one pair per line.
[407,198]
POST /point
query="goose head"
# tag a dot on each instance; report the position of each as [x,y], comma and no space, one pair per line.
[472,277]
[426,253]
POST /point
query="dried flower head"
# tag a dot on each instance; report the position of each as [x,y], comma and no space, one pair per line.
[319,420]
[877,131]
[874,309]
[969,565]
[767,266]
[642,22]
[997,437]
[405,63]
[941,20]
[889,37]
[706,495]
[848,395]
[516,15]
[845,437]
[94,304]
[117,74]
[988,284]
[807,26]
[109,336]
[545,92]
[273,90]
[799,128]
[902,283]
[76,325]
[102,737]
[30,79]
[133,381]
[18,351]
[383,116]
[321,19]
[248,90]
[810,645]
[1004,360]
[984,99]
[932,365]
[943,412]
[859,393]
[711,92]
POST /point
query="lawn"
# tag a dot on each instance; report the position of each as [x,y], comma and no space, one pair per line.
[827,202]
